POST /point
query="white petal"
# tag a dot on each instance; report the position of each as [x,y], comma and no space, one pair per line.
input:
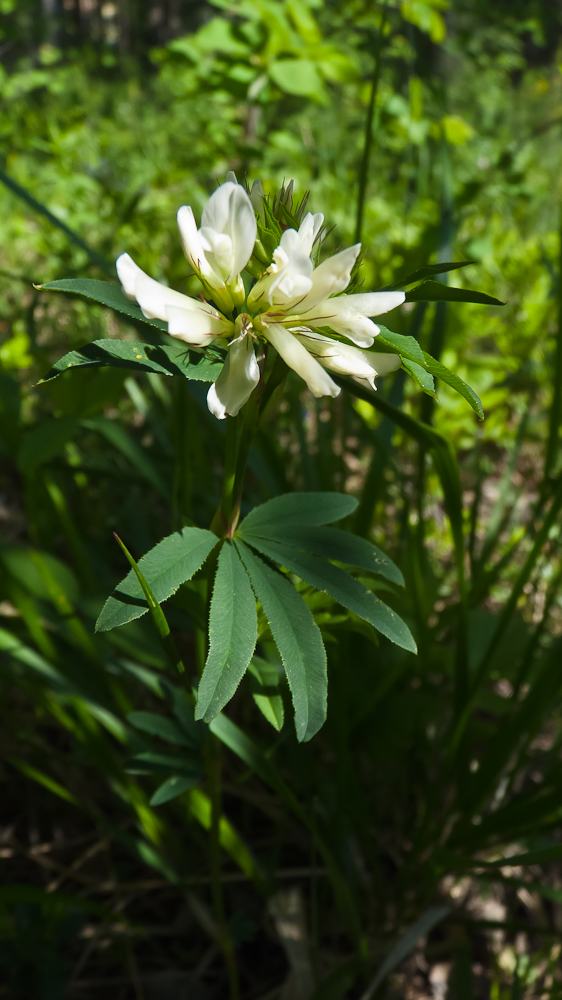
[237,380]
[341,318]
[292,282]
[347,360]
[331,277]
[217,210]
[127,272]
[152,297]
[218,251]
[308,231]
[374,303]
[298,358]
[348,314]
[197,326]
[230,211]
[213,402]
[191,242]
[231,176]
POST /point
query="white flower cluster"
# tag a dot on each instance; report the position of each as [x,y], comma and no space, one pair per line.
[286,307]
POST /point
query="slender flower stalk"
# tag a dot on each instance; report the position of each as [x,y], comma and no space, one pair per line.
[287,307]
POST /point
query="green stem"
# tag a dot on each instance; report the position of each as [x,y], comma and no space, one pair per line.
[213,761]
[364,169]
[556,408]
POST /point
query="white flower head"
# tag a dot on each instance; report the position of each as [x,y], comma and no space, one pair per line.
[287,307]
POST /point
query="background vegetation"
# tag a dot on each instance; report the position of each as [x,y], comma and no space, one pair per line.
[430,770]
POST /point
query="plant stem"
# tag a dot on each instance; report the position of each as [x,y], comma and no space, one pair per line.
[556,407]
[364,169]
[224,939]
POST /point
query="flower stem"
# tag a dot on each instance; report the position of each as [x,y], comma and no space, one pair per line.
[224,939]
[364,169]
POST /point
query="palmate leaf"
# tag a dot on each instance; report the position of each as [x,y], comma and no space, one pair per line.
[297,638]
[340,585]
[335,544]
[169,564]
[164,359]
[233,632]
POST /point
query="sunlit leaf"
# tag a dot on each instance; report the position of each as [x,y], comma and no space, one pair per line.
[298,640]
[233,631]
[169,564]
[434,291]
[163,359]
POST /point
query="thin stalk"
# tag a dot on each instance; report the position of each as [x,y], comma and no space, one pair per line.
[556,408]
[230,466]
[369,123]
[213,762]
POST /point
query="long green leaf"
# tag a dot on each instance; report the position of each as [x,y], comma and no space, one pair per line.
[427,272]
[298,640]
[264,685]
[444,460]
[172,788]
[157,615]
[169,564]
[406,347]
[428,920]
[456,383]
[299,509]
[163,359]
[159,725]
[25,195]
[434,291]
[423,378]
[333,543]
[233,631]
[105,293]
[341,586]
[118,436]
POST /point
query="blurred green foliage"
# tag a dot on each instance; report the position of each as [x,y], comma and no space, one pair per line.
[111,121]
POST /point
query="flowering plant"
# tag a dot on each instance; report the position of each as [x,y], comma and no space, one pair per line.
[267,305]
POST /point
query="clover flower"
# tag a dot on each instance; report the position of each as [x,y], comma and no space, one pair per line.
[286,307]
